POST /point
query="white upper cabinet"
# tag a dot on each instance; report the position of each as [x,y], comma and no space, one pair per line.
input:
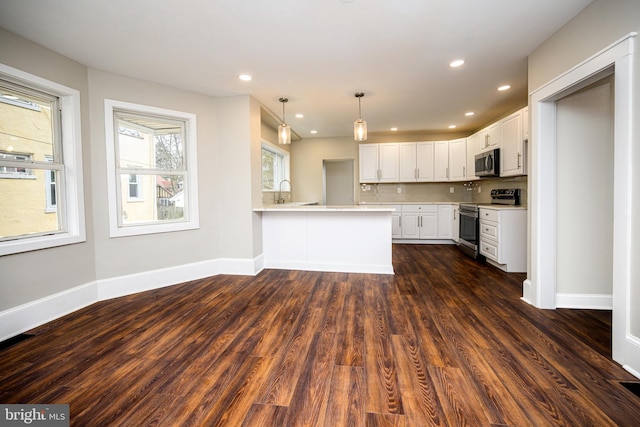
[368,163]
[490,137]
[473,148]
[512,150]
[379,162]
[425,161]
[458,159]
[408,168]
[441,164]
[389,163]
[416,161]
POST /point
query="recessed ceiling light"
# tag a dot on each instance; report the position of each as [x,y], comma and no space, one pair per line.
[505,87]
[452,126]
[470,113]
[456,63]
[299,116]
[314,132]
[393,129]
[245,77]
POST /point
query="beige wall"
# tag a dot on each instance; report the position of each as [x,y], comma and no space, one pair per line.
[29,276]
[600,24]
[228,134]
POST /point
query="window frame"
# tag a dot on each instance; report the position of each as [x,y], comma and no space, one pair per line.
[115,198]
[70,172]
[285,156]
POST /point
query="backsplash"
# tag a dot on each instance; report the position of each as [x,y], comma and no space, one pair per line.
[478,191]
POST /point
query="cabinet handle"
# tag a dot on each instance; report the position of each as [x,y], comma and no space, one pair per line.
[378,174]
[417,173]
[447,173]
[464,171]
[400,221]
[519,155]
[420,221]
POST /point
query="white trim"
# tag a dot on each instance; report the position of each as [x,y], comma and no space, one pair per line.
[540,287]
[30,315]
[632,356]
[140,282]
[73,189]
[191,195]
[35,313]
[584,301]
[334,267]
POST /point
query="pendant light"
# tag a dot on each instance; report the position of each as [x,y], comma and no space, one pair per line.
[284,130]
[359,126]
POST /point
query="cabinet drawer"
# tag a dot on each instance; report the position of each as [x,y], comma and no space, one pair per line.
[489,250]
[419,208]
[489,214]
[489,230]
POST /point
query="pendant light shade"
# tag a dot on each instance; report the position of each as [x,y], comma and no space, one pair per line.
[360,126]
[284,130]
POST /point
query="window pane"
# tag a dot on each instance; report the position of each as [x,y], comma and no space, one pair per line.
[158,198]
[25,207]
[26,126]
[144,143]
[268,169]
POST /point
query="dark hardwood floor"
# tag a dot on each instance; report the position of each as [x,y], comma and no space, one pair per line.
[446,341]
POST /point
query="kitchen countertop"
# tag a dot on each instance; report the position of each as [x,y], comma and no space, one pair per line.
[501,207]
[297,207]
[480,205]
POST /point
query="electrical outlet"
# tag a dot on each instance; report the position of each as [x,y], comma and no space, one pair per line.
[479,189]
[451,190]
[399,190]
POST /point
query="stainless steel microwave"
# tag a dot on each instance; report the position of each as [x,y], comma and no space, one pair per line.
[488,163]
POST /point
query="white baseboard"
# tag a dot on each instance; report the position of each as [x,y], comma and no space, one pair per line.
[528,292]
[339,268]
[632,360]
[585,301]
[133,283]
[17,320]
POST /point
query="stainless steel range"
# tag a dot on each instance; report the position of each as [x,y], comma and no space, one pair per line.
[469,224]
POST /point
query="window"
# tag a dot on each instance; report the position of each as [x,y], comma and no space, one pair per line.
[41,200]
[275,167]
[135,193]
[152,169]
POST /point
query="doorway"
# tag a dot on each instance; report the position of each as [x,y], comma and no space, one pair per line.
[540,288]
[584,170]
[338,182]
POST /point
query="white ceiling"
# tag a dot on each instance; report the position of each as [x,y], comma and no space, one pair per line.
[317,53]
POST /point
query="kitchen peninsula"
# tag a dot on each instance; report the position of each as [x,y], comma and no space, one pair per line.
[351,239]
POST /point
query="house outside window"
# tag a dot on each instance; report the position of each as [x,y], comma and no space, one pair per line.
[152,169]
[41,200]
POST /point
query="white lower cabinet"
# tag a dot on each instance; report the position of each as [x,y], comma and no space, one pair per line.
[456,223]
[445,222]
[396,222]
[503,238]
[426,222]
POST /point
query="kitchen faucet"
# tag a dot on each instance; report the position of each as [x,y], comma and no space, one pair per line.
[281,199]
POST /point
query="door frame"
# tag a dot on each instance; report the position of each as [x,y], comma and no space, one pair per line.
[540,287]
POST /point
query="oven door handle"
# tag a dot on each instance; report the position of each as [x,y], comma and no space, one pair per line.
[469,214]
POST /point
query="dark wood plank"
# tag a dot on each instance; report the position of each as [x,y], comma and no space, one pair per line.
[446,341]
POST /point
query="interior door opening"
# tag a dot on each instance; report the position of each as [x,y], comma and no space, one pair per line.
[338,182]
